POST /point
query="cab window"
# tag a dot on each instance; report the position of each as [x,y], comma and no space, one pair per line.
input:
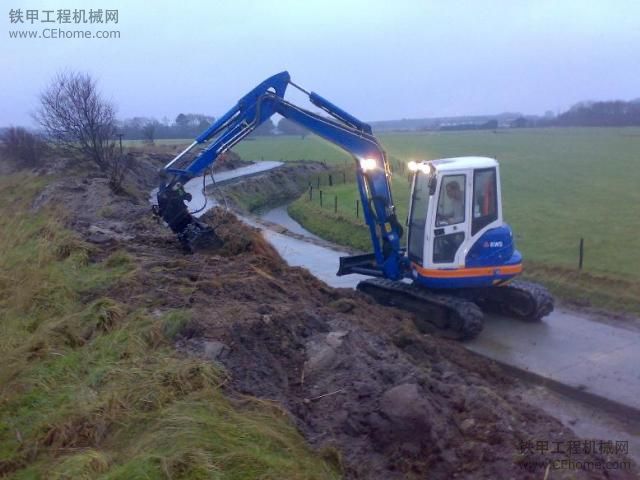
[451,203]
[485,199]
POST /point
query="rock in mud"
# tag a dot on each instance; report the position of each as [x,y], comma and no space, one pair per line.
[213,349]
[102,235]
[408,413]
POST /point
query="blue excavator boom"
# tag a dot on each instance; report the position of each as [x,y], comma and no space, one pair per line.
[339,127]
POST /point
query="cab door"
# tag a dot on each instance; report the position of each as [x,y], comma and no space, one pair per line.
[448,222]
[417,221]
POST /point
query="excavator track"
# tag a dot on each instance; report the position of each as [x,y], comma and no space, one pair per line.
[524,300]
[447,316]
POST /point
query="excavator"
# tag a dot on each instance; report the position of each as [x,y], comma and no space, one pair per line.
[459,258]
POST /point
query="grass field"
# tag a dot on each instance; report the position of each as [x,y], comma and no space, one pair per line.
[558,185]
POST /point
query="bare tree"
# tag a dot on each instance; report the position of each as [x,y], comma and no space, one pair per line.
[149,131]
[120,165]
[78,119]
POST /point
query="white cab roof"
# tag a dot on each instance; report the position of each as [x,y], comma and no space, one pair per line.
[462,163]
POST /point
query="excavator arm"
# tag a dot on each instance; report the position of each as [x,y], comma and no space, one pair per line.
[340,128]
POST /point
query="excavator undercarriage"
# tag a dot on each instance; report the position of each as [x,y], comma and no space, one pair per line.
[459,314]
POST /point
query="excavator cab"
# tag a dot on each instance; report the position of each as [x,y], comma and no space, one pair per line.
[457,237]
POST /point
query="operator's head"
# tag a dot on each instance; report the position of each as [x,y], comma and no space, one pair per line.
[453,190]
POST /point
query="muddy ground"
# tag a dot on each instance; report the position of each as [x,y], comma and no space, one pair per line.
[358,380]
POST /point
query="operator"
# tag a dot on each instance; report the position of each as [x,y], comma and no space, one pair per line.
[453,206]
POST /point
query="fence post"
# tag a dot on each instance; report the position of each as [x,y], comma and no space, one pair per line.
[330,180]
[320,198]
[357,208]
[310,192]
[344,177]
[581,253]
[335,204]
[318,181]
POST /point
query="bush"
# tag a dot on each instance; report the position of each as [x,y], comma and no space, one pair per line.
[23,147]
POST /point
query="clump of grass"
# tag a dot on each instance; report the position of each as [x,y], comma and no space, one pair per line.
[118,258]
[83,465]
[174,323]
[90,387]
[105,314]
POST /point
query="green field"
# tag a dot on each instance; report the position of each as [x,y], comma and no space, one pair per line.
[558,185]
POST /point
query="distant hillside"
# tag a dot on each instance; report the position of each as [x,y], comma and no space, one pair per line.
[611,113]
[415,124]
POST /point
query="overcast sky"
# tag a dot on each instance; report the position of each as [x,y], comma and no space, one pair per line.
[377,59]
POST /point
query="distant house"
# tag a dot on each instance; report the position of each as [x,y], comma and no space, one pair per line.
[488,125]
[519,122]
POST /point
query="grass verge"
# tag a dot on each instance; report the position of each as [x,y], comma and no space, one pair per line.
[91,387]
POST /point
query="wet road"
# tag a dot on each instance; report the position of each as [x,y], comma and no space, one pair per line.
[575,350]
[280,216]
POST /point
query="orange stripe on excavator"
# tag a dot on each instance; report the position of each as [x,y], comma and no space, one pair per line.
[468,272]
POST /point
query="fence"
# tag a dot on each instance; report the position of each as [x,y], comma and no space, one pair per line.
[341,176]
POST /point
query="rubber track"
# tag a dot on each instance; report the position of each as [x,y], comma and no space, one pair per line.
[468,316]
[540,295]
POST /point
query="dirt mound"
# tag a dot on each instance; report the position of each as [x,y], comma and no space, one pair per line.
[357,378]
[237,237]
[352,388]
[229,161]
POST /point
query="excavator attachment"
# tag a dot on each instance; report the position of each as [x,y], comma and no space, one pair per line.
[193,234]
[198,236]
